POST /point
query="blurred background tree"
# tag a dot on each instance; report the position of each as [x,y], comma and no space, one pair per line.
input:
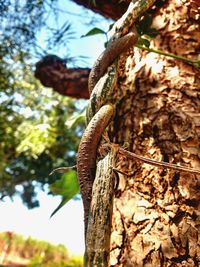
[34,253]
[34,138]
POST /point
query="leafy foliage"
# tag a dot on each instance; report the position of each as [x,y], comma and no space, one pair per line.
[39,253]
[34,138]
[143,26]
[67,187]
[94,31]
[22,23]
[146,33]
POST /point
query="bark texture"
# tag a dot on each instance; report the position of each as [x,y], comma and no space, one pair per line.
[156,214]
[113,9]
[100,219]
[53,72]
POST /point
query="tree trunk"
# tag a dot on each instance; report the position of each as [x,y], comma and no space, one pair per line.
[156,214]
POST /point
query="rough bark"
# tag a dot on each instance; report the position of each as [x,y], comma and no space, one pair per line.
[113,9]
[100,219]
[156,214]
[53,72]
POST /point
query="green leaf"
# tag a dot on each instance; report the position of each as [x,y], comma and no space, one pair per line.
[143,26]
[152,32]
[73,121]
[198,64]
[67,187]
[144,23]
[110,26]
[143,42]
[94,31]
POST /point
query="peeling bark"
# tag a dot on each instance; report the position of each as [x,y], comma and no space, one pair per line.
[113,9]
[100,219]
[52,72]
[156,214]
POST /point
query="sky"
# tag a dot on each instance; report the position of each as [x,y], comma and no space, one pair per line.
[66,226]
[82,20]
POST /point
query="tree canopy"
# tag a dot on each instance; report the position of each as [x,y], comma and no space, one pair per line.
[34,137]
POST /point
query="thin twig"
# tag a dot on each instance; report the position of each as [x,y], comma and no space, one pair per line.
[162,164]
[63,169]
[194,62]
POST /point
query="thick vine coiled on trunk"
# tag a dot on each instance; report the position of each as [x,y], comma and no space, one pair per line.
[108,56]
[125,37]
[86,158]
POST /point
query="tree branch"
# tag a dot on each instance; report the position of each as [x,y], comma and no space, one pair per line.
[52,72]
[112,9]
